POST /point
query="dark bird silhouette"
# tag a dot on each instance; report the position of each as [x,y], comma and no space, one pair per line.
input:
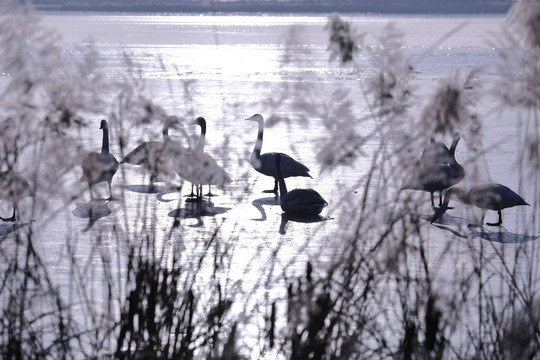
[13,188]
[200,168]
[486,197]
[155,156]
[266,163]
[298,201]
[437,177]
[100,167]
[436,152]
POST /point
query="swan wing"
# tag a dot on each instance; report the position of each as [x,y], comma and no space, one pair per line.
[289,166]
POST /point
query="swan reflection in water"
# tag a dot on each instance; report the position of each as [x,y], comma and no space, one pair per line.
[196,210]
[299,218]
[258,204]
[93,211]
[8,228]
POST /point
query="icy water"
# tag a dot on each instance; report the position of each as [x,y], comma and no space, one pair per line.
[235,66]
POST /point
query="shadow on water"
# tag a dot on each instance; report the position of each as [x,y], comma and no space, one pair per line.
[161,191]
[306,219]
[197,210]
[498,234]
[92,211]
[8,228]
[258,204]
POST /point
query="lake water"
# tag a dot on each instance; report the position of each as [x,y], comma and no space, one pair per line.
[233,67]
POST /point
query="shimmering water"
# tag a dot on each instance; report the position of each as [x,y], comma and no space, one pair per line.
[226,68]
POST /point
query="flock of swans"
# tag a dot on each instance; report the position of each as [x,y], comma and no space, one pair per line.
[438,171]
[200,168]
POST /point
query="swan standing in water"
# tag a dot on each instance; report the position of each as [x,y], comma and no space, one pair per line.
[266,163]
[13,188]
[438,177]
[486,197]
[298,201]
[100,167]
[200,168]
[155,156]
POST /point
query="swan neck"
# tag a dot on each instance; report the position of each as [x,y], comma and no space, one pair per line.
[459,193]
[258,144]
[105,142]
[452,149]
[166,136]
[281,180]
[202,138]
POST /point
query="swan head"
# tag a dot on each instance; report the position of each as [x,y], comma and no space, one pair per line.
[104,125]
[172,121]
[257,118]
[199,121]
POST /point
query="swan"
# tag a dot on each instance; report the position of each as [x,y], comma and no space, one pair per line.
[100,167]
[486,197]
[436,152]
[156,155]
[298,201]
[14,187]
[266,163]
[200,168]
[438,177]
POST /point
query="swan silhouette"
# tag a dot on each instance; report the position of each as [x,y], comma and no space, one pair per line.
[13,188]
[297,201]
[100,167]
[155,156]
[266,163]
[486,197]
[437,177]
[436,152]
[200,168]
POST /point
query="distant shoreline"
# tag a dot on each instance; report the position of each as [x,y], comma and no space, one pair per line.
[427,7]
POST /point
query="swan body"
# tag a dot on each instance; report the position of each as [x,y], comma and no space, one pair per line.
[436,152]
[486,197]
[438,177]
[13,188]
[198,167]
[100,167]
[155,156]
[298,201]
[266,163]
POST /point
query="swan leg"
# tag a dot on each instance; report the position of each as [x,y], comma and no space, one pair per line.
[191,195]
[197,196]
[111,197]
[275,190]
[12,218]
[91,193]
[499,222]
[210,192]
[433,201]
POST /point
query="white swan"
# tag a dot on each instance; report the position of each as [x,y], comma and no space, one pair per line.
[100,167]
[266,163]
[486,197]
[200,168]
[13,188]
[155,156]
[298,201]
